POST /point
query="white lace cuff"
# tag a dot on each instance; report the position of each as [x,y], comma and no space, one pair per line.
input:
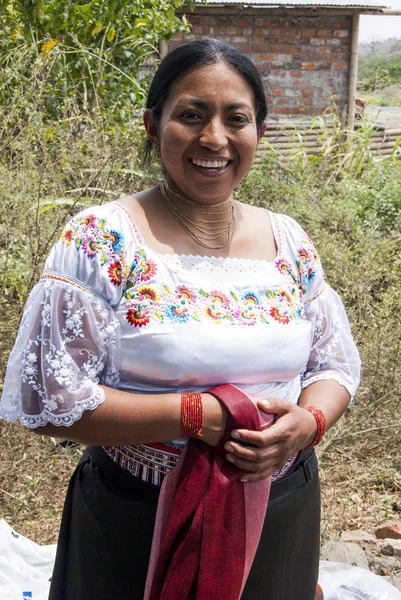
[66,345]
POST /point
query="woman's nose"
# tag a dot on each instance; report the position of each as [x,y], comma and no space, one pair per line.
[213,135]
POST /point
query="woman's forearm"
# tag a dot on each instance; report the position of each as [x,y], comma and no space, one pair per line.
[327,395]
[125,419]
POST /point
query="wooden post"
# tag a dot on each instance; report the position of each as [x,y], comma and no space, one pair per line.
[163,48]
[353,72]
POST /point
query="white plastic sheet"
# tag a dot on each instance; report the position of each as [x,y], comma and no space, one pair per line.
[343,582]
[25,567]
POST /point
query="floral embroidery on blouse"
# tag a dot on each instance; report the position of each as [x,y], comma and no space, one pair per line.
[146,302]
[92,236]
[306,262]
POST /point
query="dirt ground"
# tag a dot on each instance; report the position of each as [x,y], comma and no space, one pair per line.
[357,492]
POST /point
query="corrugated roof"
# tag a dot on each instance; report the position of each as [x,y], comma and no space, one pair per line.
[332,3]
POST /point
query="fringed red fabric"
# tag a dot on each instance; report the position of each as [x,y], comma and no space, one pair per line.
[208,523]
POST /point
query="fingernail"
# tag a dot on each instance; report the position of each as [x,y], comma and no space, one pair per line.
[235,435]
[229,447]
[265,402]
[244,480]
[230,458]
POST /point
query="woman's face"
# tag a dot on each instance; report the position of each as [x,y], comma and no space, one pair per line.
[207,132]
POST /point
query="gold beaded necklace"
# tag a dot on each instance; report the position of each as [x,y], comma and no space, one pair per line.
[195,227]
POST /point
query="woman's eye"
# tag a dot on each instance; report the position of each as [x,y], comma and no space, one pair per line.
[190,115]
[240,119]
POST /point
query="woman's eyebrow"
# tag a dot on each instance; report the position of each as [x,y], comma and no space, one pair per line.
[202,104]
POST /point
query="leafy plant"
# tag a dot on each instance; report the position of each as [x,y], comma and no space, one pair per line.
[98,52]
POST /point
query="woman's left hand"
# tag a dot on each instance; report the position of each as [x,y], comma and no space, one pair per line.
[260,453]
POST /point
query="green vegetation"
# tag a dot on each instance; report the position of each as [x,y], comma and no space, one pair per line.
[376,72]
[91,55]
[68,139]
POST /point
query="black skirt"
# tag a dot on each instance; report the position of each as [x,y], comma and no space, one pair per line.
[107,526]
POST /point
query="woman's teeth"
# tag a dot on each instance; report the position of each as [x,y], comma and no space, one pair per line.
[209,164]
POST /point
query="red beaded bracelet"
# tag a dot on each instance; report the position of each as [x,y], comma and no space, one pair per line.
[191,414]
[320,422]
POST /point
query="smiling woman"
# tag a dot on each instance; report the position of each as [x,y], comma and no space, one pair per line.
[148,307]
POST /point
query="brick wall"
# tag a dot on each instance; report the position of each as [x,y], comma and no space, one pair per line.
[304,59]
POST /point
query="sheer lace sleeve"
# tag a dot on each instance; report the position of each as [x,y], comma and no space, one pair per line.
[68,340]
[333,352]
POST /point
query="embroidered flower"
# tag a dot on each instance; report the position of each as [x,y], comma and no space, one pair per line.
[115,272]
[137,317]
[251,298]
[67,236]
[185,292]
[116,238]
[284,295]
[177,313]
[148,269]
[217,296]
[279,315]
[303,254]
[246,315]
[88,221]
[213,314]
[147,292]
[283,265]
[90,247]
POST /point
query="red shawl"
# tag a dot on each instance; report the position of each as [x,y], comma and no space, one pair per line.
[208,523]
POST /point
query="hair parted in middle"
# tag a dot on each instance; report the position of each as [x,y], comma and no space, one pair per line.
[198,53]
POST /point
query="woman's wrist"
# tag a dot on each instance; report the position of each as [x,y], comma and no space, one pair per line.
[319,427]
[214,420]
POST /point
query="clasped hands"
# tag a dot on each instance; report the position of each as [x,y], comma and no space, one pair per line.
[260,453]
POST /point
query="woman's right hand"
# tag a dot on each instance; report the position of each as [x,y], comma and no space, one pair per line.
[214,420]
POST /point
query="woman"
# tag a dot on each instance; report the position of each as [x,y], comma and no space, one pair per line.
[177,289]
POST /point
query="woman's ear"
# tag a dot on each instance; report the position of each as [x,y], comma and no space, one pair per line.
[151,127]
[261,131]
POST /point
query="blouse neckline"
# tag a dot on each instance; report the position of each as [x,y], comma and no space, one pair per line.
[277,235]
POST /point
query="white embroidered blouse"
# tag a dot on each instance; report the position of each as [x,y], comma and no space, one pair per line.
[108,309]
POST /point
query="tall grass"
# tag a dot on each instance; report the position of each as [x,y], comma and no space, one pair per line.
[347,199]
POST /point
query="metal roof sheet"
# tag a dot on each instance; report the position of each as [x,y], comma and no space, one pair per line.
[303,3]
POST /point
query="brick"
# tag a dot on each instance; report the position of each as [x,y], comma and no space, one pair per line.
[205,20]
[245,48]
[259,31]
[240,39]
[341,33]
[306,102]
[309,66]
[295,74]
[199,29]
[333,42]
[277,92]
[233,30]
[309,32]
[325,33]
[302,84]
[290,93]
[317,41]
[269,57]
[277,49]
[243,22]
[339,66]
[390,530]
[285,57]
[278,32]
[307,93]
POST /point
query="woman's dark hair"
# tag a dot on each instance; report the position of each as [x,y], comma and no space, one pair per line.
[197,53]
